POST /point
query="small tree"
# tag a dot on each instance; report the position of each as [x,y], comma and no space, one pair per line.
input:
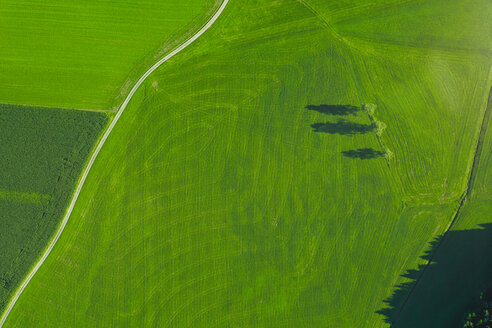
[388,154]
[369,109]
[378,127]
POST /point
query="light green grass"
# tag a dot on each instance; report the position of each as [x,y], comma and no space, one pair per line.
[214,203]
[461,25]
[86,55]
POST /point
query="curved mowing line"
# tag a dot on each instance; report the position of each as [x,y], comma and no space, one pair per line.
[96,152]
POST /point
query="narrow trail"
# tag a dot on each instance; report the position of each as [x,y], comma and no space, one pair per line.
[75,196]
[462,201]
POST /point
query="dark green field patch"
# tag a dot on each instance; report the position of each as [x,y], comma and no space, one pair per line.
[42,152]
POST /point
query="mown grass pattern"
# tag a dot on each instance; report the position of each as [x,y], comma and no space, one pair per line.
[214,203]
[87,55]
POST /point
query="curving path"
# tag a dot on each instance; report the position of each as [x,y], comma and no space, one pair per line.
[96,152]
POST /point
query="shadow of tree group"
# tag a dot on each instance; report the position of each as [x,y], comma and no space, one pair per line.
[334,109]
[345,127]
[342,127]
[450,285]
[363,153]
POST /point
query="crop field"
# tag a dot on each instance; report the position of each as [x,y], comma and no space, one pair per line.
[42,152]
[248,183]
[71,54]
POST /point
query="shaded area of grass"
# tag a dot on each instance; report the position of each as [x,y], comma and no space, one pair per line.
[459,271]
[342,127]
[363,153]
[334,109]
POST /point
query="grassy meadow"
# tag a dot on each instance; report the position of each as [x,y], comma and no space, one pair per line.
[42,153]
[86,55]
[461,268]
[244,186]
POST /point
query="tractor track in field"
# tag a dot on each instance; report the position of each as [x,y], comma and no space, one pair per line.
[462,200]
[95,153]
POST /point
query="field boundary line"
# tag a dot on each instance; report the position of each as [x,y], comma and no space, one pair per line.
[87,169]
[464,197]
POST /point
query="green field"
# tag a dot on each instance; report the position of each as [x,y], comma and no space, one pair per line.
[244,186]
[70,54]
[462,267]
[42,152]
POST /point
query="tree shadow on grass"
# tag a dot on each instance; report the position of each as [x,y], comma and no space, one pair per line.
[449,287]
[334,109]
[342,127]
[363,153]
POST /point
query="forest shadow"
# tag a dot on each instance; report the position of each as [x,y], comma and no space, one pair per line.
[342,127]
[449,287]
[363,153]
[334,109]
